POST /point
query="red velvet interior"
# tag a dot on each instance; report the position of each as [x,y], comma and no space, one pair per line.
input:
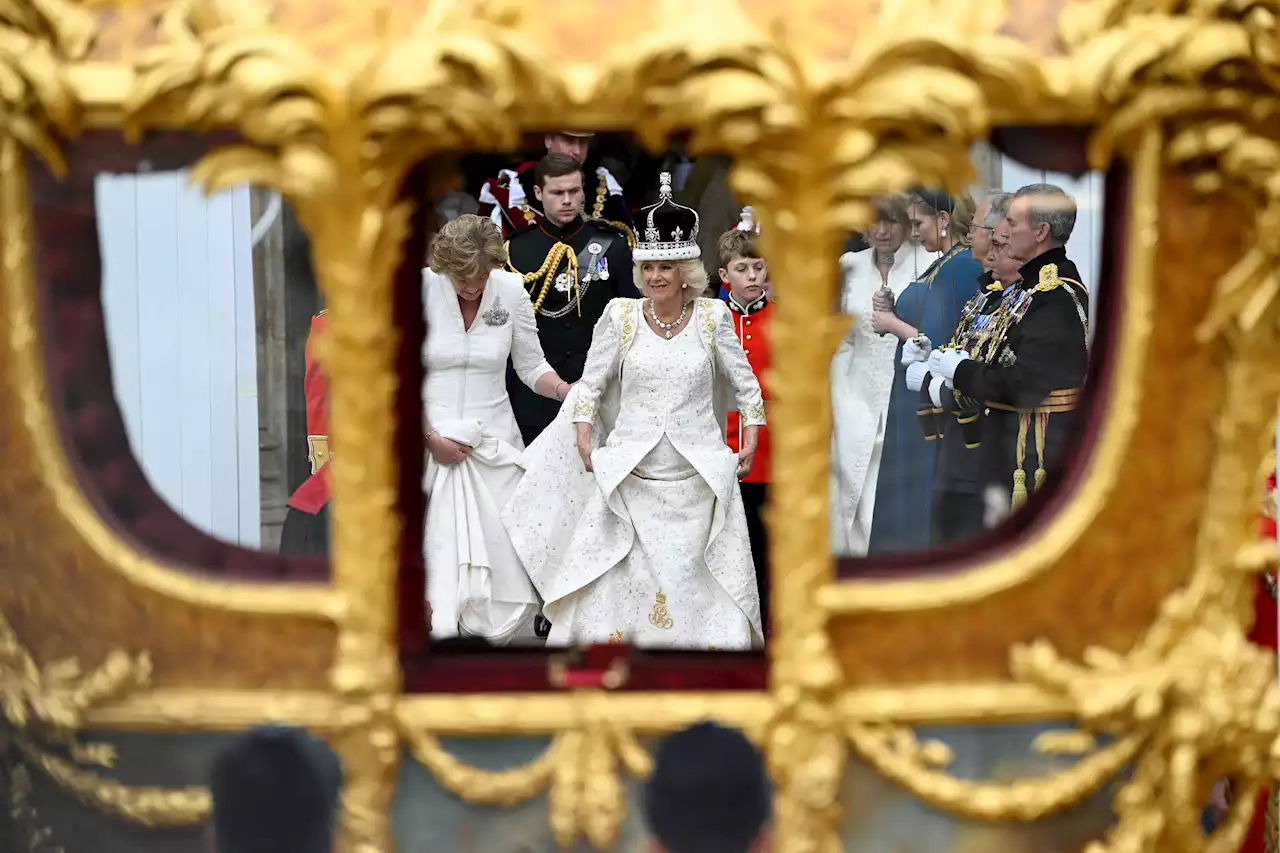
[1061,150]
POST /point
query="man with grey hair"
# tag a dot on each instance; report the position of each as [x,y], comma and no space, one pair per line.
[1025,374]
[958,510]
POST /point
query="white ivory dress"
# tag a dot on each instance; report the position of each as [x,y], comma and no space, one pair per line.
[861,381]
[650,550]
[475,582]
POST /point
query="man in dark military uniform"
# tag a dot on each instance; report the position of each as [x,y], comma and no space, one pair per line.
[511,202]
[571,267]
[1028,380]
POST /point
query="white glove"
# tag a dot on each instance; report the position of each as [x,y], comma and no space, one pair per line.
[915,375]
[912,351]
[936,384]
[945,361]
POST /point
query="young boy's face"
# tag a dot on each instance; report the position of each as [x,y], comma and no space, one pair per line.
[747,278]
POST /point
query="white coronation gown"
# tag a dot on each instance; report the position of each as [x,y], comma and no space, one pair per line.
[861,381]
[650,550]
[475,582]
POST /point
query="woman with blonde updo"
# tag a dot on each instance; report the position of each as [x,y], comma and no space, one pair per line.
[478,315]
[629,519]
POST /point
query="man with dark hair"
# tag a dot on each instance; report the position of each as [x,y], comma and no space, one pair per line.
[1028,378]
[275,790]
[511,201]
[709,793]
[572,267]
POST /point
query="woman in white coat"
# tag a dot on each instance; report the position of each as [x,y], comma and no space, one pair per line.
[478,316]
[629,519]
[862,373]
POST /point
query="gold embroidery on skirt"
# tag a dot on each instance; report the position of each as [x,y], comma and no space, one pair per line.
[658,617]
[616,638]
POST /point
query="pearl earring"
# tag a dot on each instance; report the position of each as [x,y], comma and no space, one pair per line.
[685,285]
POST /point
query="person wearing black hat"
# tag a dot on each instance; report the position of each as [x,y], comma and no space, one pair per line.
[510,201]
[571,267]
[1029,378]
[629,519]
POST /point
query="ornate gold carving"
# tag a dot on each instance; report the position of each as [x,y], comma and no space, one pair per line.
[581,767]
[38,103]
[54,698]
[152,807]
[49,703]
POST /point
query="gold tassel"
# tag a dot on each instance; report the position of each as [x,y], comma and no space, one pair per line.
[1042,425]
[1020,475]
[1019,489]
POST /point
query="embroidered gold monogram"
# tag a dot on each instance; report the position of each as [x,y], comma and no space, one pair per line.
[658,616]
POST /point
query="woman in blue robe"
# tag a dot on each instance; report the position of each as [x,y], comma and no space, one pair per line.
[929,307]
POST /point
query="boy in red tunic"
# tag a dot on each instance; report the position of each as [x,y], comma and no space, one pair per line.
[744,274]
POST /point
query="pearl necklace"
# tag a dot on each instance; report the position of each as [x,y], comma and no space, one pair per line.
[668,327]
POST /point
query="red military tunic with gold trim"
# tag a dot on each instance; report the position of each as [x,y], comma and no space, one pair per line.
[313,494]
[751,324]
[1264,634]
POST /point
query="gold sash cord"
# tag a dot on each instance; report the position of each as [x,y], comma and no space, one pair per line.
[1065,400]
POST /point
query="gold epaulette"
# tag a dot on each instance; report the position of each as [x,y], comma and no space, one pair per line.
[1049,279]
[626,229]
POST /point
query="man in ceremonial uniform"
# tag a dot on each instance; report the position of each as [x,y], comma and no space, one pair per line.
[510,201]
[1028,379]
[572,267]
[745,278]
[957,503]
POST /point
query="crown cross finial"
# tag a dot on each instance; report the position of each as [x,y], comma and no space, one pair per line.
[664,188]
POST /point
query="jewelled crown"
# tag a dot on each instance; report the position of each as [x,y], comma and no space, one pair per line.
[670,230]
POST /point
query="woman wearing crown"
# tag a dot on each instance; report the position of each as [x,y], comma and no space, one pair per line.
[629,519]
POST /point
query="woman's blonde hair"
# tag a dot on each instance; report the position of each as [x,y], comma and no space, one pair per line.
[467,247]
[692,273]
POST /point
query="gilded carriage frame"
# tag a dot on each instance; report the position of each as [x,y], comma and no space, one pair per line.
[1186,93]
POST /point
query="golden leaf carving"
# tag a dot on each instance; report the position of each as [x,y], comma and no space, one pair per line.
[582,768]
[1208,72]
[1203,701]
[54,698]
[37,102]
[47,705]
[64,25]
